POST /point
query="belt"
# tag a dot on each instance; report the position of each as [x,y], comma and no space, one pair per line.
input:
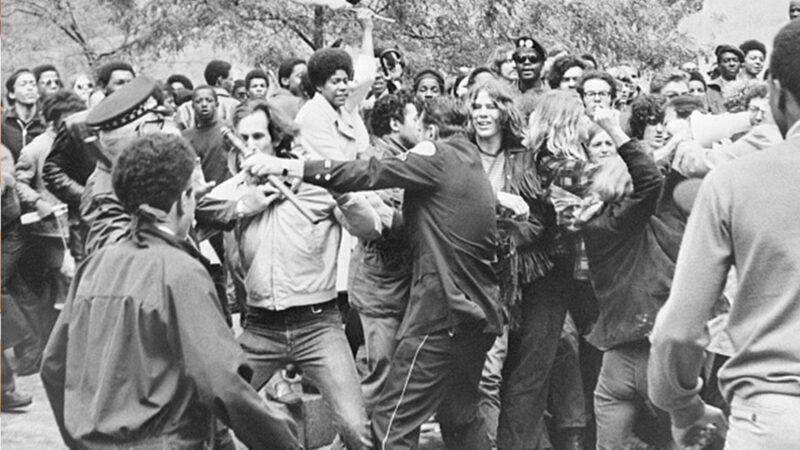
[256,315]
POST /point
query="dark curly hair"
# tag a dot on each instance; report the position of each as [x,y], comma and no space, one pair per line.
[287,67]
[216,69]
[561,66]
[391,106]
[105,71]
[447,114]
[598,75]
[182,79]
[325,62]
[39,70]
[61,104]
[647,109]
[153,170]
[255,74]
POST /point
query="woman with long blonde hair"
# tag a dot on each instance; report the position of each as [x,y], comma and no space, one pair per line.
[558,125]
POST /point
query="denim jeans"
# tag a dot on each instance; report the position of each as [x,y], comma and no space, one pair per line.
[435,373]
[620,400]
[313,341]
[531,351]
[379,345]
[764,421]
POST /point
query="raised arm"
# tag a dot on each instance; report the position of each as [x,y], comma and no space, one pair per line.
[364,66]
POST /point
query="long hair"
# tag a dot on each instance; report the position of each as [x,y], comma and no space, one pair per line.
[511,121]
[553,125]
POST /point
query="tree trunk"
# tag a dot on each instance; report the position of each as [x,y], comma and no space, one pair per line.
[319,27]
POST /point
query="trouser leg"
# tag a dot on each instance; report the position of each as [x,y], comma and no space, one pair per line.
[531,350]
[322,353]
[379,346]
[424,371]
[463,427]
[567,402]
[491,381]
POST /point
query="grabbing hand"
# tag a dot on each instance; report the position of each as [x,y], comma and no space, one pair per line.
[260,165]
[703,431]
[606,118]
[515,203]
[611,180]
[43,208]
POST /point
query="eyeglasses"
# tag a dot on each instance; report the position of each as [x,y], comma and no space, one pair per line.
[54,82]
[599,94]
[522,59]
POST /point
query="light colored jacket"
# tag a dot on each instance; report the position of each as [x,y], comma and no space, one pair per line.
[327,133]
[29,167]
[287,260]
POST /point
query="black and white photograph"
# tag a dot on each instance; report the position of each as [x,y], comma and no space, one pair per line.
[400,224]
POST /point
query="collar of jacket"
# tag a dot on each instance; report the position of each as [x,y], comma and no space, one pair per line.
[11,113]
[143,225]
[390,145]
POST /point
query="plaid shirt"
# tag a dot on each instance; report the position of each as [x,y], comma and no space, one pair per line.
[573,176]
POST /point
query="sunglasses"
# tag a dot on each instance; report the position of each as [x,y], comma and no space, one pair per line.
[522,59]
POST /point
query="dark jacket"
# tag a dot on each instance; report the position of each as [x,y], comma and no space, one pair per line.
[632,247]
[16,133]
[70,162]
[9,202]
[449,212]
[380,270]
[526,236]
[141,355]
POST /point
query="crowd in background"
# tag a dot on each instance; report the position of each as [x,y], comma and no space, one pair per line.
[527,326]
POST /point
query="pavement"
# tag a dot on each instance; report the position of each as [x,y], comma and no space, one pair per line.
[34,428]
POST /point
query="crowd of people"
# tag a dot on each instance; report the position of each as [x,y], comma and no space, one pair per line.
[508,250]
